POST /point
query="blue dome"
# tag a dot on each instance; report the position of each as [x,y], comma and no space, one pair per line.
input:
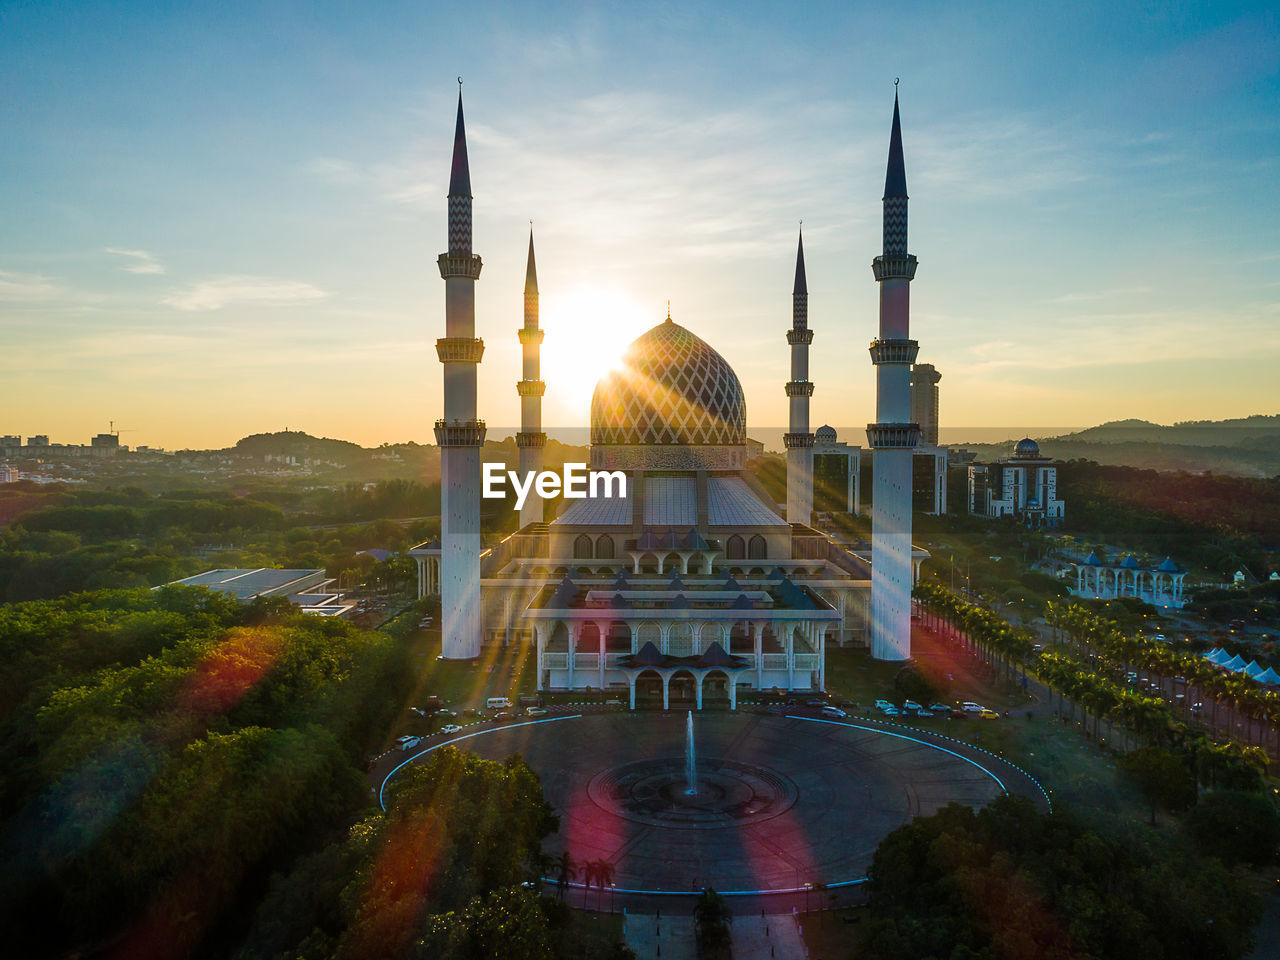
[1027,449]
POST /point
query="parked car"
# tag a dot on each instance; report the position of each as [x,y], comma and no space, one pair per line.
[451,728]
[446,713]
[889,710]
[815,703]
[830,711]
[989,715]
[408,743]
[881,704]
[939,708]
[924,712]
[957,714]
[535,711]
[424,623]
[911,705]
[971,707]
[498,703]
[503,715]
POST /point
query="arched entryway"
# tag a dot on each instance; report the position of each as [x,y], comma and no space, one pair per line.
[683,691]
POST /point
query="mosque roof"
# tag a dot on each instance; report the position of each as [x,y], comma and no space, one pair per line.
[1129,563]
[714,656]
[672,388]
[1168,566]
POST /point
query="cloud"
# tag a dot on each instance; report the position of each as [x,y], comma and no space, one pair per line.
[20,287]
[225,291]
[140,260]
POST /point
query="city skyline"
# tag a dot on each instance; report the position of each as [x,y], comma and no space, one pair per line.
[225,227]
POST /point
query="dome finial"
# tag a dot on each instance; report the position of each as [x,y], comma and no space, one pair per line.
[668,311]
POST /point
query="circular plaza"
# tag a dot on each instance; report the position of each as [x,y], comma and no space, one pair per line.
[782,801]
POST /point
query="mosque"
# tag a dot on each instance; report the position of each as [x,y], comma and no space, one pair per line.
[694,585]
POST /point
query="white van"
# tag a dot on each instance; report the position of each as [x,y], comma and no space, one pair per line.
[497,703]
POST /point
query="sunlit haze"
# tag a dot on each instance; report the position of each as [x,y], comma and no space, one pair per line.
[224,220]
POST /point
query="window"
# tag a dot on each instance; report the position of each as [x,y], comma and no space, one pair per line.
[604,548]
[733,549]
[582,548]
[756,548]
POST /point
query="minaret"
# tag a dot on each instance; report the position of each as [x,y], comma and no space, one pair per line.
[798,440]
[893,437]
[460,434]
[531,439]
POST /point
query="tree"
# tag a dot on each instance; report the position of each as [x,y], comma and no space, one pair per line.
[1161,776]
[711,917]
[1236,826]
[567,869]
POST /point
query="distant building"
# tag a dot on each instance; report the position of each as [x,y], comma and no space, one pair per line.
[1024,486]
[1160,585]
[307,589]
[924,401]
[105,445]
[755,448]
[7,473]
[39,440]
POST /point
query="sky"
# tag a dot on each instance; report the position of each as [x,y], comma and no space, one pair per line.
[222,219]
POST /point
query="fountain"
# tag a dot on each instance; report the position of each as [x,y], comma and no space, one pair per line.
[690,761]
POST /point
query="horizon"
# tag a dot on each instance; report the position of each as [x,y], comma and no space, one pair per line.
[245,228]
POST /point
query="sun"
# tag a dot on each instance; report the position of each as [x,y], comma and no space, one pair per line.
[587,331]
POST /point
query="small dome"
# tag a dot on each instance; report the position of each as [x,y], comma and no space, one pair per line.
[1027,449]
[826,433]
[672,388]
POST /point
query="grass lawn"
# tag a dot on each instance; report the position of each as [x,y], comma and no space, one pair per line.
[829,934]
[1057,755]
[591,935]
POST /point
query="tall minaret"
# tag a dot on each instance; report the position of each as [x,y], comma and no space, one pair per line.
[531,439]
[460,435]
[798,440]
[893,437]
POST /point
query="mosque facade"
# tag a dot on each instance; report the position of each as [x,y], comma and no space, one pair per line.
[694,585]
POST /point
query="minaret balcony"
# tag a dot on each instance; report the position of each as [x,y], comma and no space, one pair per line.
[890,436]
[460,349]
[894,266]
[894,351]
[460,433]
[531,388]
[531,439]
[459,265]
[797,440]
[531,335]
[799,388]
[799,338]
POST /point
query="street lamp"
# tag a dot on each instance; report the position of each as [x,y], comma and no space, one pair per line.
[807,887]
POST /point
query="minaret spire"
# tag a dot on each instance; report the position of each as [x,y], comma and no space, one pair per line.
[798,440]
[893,436]
[460,434]
[531,440]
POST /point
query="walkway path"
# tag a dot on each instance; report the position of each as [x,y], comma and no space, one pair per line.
[671,938]
[773,937]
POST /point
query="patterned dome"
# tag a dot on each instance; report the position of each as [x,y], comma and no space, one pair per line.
[1027,449]
[826,433]
[672,389]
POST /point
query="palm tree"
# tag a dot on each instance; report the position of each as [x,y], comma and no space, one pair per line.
[568,869]
[712,916]
[604,874]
